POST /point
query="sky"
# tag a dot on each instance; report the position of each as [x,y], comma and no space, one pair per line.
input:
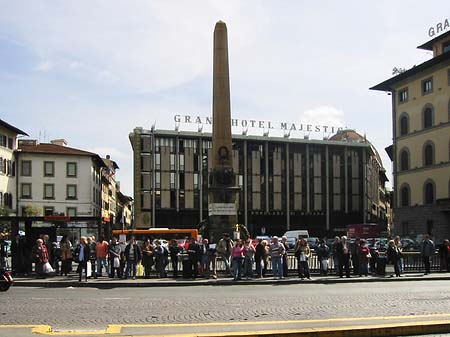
[92,71]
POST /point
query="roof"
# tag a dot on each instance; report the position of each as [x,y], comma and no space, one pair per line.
[429,44]
[387,85]
[110,163]
[124,198]
[12,128]
[350,135]
[47,148]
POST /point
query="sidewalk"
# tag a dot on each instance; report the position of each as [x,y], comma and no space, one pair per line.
[105,282]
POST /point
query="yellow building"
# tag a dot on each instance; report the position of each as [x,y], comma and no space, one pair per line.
[421,143]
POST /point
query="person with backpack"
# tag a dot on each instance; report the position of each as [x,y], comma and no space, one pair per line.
[193,253]
[161,259]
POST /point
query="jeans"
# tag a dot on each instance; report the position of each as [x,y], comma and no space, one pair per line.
[426,262]
[303,269]
[226,259]
[130,265]
[336,264]
[364,268]
[101,261]
[237,268]
[277,266]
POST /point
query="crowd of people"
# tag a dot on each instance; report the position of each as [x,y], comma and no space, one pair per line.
[243,259]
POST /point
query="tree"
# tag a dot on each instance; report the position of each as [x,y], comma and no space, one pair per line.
[30,210]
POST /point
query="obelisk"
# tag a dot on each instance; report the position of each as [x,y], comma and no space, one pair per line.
[222,190]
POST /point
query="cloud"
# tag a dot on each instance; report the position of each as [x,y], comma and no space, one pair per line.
[44,66]
[323,115]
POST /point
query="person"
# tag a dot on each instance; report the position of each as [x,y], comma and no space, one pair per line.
[334,248]
[249,253]
[161,258]
[393,257]
[211,254]
[427,250]
[444,256]
[83,257]
[133,256]
[323,253]
[285,255]
[3,251]
[276,254]
[259,255]
[114,258]
[266,255]
[303,252]
[17,255]
[92,254]
[174,252]
[40,257]
[224,248]
[147,257]
[49,246]
[364,258]
[66,255]
[193,253]
[398,244]
[101,250]
[343,253]
[238,254]
[203,257]
[355,258]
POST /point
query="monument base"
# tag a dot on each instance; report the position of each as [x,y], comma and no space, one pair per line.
[220,224]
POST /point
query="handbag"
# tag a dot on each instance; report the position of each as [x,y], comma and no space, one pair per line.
[88,269]
[116,262]
[389,269]
[139,269]
[47,268]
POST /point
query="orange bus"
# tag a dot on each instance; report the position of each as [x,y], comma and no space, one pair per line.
[157,233]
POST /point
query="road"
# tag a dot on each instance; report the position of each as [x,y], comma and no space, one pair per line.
[266,306]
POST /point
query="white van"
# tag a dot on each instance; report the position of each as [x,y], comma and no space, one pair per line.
[292,236]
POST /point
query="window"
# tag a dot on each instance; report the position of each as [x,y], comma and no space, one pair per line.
[26,168]
[428,154]
[157,180]
[71,192]
[48,210]
[403,95]
[172,162]
[404,125]
[404,196]
[71,211]
[427,86]
[427,118]
[25,190]
[446,47]
[49,191]
[195,181]
[157,161]
[404,160]
[429,193]
[71,169]
[181,162]
[172,180]
[49,169]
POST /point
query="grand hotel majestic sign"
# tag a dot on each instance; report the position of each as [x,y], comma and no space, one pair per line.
[260,124]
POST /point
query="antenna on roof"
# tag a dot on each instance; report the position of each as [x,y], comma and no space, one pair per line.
[244,131]
[287,135]
[153,126]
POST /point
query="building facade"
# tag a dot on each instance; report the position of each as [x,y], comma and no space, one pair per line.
[8,144]
[284,183]
[54,179]
[421,143]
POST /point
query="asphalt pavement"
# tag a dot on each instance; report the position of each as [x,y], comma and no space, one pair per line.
[235,310]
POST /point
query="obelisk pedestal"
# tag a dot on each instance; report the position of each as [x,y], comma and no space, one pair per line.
[222,187]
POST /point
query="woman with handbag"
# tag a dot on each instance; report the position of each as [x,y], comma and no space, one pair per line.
[147,257]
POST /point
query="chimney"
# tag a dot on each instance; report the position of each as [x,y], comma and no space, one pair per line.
[27,142]
[60,142]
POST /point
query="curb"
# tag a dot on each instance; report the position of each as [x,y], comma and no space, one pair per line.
[223,282]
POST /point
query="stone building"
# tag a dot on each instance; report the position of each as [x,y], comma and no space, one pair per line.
[421,143]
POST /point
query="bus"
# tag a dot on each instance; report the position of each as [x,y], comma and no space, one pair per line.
[156,233]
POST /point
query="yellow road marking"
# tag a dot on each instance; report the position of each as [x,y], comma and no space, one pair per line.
[117,328]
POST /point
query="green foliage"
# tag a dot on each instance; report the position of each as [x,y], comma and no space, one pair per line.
[4,211]
[31,210]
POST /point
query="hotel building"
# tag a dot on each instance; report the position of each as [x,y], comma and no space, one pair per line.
[285,183]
